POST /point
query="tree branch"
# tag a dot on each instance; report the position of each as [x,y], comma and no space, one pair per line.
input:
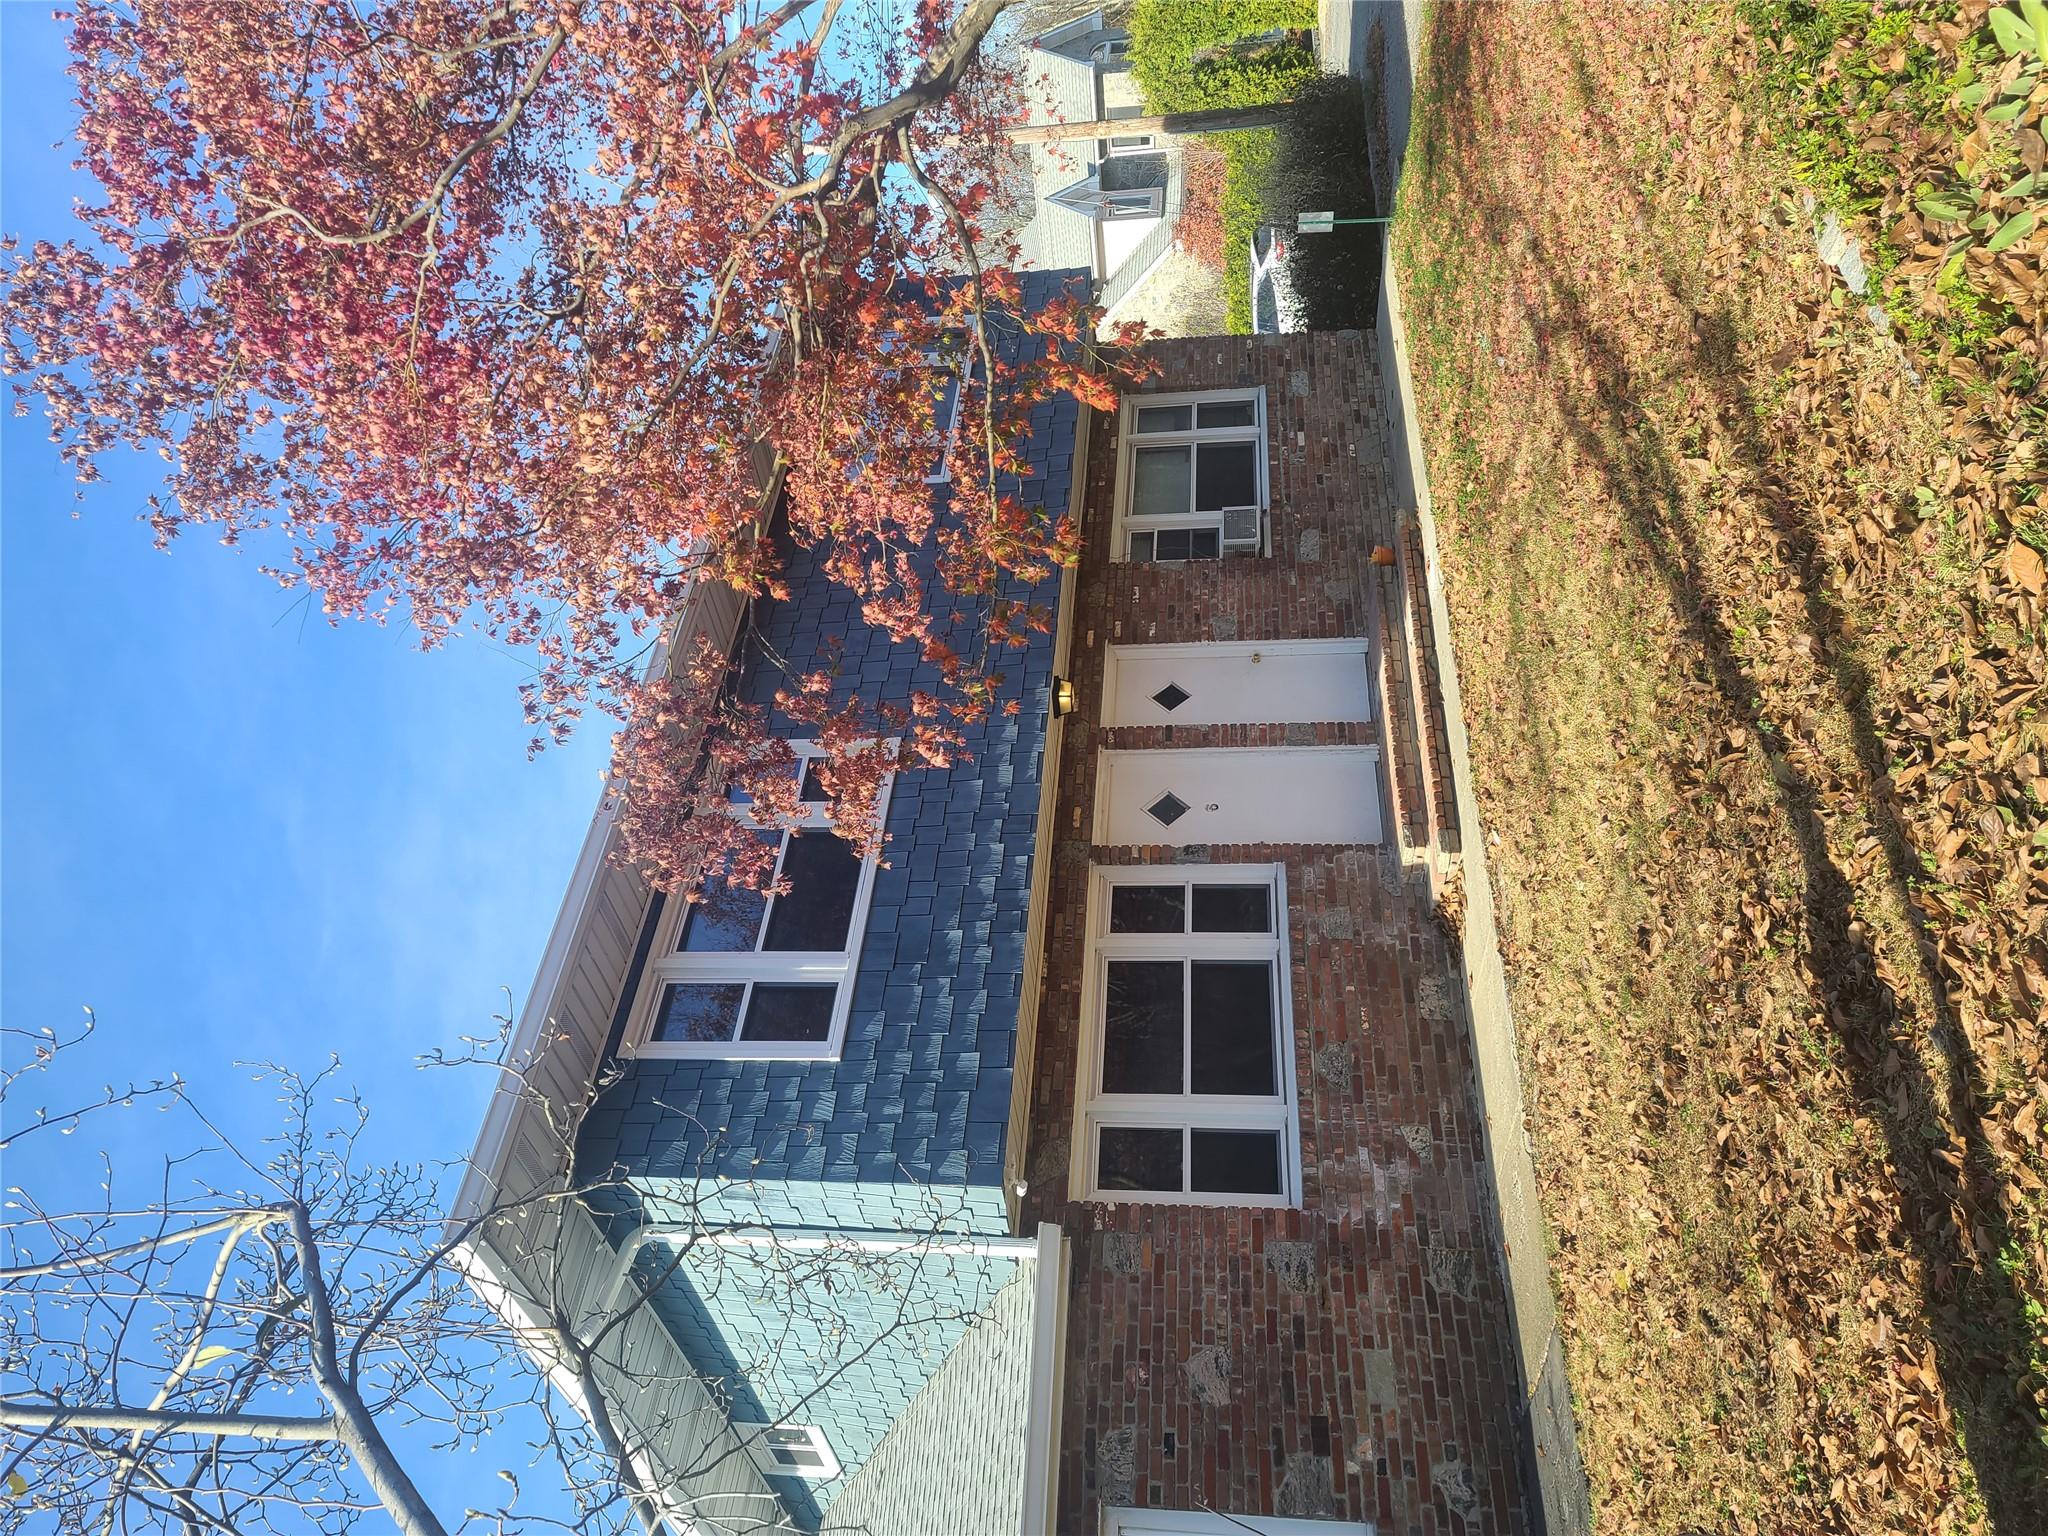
[254,1426]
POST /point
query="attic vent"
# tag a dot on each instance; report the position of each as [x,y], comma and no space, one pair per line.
[1167,809]
[789,1450]
[1171,697]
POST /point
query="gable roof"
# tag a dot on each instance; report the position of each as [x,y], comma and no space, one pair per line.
[562,1256]
[1057,89]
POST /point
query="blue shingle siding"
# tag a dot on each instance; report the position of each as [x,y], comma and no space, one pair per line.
[921,1091]
[774,1345]
[904,1133]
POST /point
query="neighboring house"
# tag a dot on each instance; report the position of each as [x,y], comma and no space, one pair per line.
[1109,205]
[1107,1161]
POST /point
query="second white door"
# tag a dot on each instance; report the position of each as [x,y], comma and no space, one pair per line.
[1239,795]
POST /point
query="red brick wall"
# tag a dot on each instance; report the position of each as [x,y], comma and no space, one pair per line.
[1351,1358]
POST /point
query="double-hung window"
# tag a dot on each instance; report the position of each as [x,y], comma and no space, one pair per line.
[1192,475]
[951,373]
[745,974]
[1188,1077]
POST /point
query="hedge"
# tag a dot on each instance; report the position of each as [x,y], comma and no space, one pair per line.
[1167,34]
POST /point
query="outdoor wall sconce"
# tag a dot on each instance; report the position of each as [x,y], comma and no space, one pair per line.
[1062,697]
[1381,555]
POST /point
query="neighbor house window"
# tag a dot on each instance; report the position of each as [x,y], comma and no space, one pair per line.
[789,1450]
[1188,1084]
[1191,475]
[745,974]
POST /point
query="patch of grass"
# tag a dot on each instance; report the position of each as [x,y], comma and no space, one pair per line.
[1713,579]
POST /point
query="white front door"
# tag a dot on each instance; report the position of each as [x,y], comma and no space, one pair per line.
[1278,682]
[1238,795]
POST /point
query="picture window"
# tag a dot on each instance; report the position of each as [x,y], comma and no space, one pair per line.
[1192,475]
[1189,1085]
[742,973]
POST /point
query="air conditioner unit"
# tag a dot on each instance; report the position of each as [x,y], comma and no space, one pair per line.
[1243,528]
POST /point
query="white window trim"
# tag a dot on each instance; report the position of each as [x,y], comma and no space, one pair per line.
[1093,1109]
[1185,1522]
[1146,144]
[751,1436]
[942,474]
[664,965]
[1125,522]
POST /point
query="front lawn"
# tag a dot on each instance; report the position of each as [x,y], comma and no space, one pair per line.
[1749,612]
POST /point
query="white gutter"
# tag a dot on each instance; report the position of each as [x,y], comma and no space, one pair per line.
[1024,1058]
[1048,1385]
[487,1160]
[1018,1248]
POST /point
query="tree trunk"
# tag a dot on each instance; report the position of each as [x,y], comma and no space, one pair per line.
[355,1426]
[1213,120]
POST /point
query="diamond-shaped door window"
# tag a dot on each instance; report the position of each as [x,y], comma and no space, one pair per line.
[1171,697]
[1167,809]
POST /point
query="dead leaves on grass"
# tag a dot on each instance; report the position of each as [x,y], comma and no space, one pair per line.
[1870,561]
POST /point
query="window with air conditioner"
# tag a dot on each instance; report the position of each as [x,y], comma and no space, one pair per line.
[1188,1080]
[1191,475]
[745,974]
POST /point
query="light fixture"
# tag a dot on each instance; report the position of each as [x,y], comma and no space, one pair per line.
[1062,697]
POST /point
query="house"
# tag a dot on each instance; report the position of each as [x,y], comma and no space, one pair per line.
[1111,206]
[1119,1170]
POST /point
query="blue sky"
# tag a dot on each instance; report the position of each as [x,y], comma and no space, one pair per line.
[233,830]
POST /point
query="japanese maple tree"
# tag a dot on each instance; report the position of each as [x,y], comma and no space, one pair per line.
[484,311]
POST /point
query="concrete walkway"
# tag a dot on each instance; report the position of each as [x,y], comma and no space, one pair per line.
[1377,42]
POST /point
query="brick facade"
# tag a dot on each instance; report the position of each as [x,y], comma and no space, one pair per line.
[1350,1358]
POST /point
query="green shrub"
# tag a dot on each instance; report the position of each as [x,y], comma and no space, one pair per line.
[1315,159]
[1166,35]
[1248,161]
